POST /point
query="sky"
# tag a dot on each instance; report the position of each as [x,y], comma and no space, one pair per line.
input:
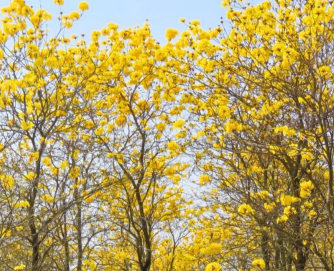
[129,13]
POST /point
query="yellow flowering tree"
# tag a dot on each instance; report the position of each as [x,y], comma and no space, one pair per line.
[41,82]
[142,136]
[261,93]
[102,138]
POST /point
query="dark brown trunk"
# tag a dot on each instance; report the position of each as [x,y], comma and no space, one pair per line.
[79,236]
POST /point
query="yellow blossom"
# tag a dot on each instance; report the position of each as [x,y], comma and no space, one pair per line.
[282,218]
[214,266]
[204,179]
[26,125]
[8,181]
[58,2]
[30,176]
[19,267]
[160,126]
[171,33]
[83,6]
[212,249]
[173,146]
[312,213]
[22,204]
[259,263]
[245,209]
[74,15]
[195,22]
[178,124]
[305,189]
[47,198]
[288,200]
[324,71]
[289,210]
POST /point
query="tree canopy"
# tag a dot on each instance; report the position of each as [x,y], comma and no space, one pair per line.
[213,151]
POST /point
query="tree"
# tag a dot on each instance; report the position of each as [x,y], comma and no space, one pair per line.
[86,151]
[262,95]
[131,117]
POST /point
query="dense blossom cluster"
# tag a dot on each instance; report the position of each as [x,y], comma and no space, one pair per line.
[103,140]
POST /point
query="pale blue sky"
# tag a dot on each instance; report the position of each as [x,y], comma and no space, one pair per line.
[128,13]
